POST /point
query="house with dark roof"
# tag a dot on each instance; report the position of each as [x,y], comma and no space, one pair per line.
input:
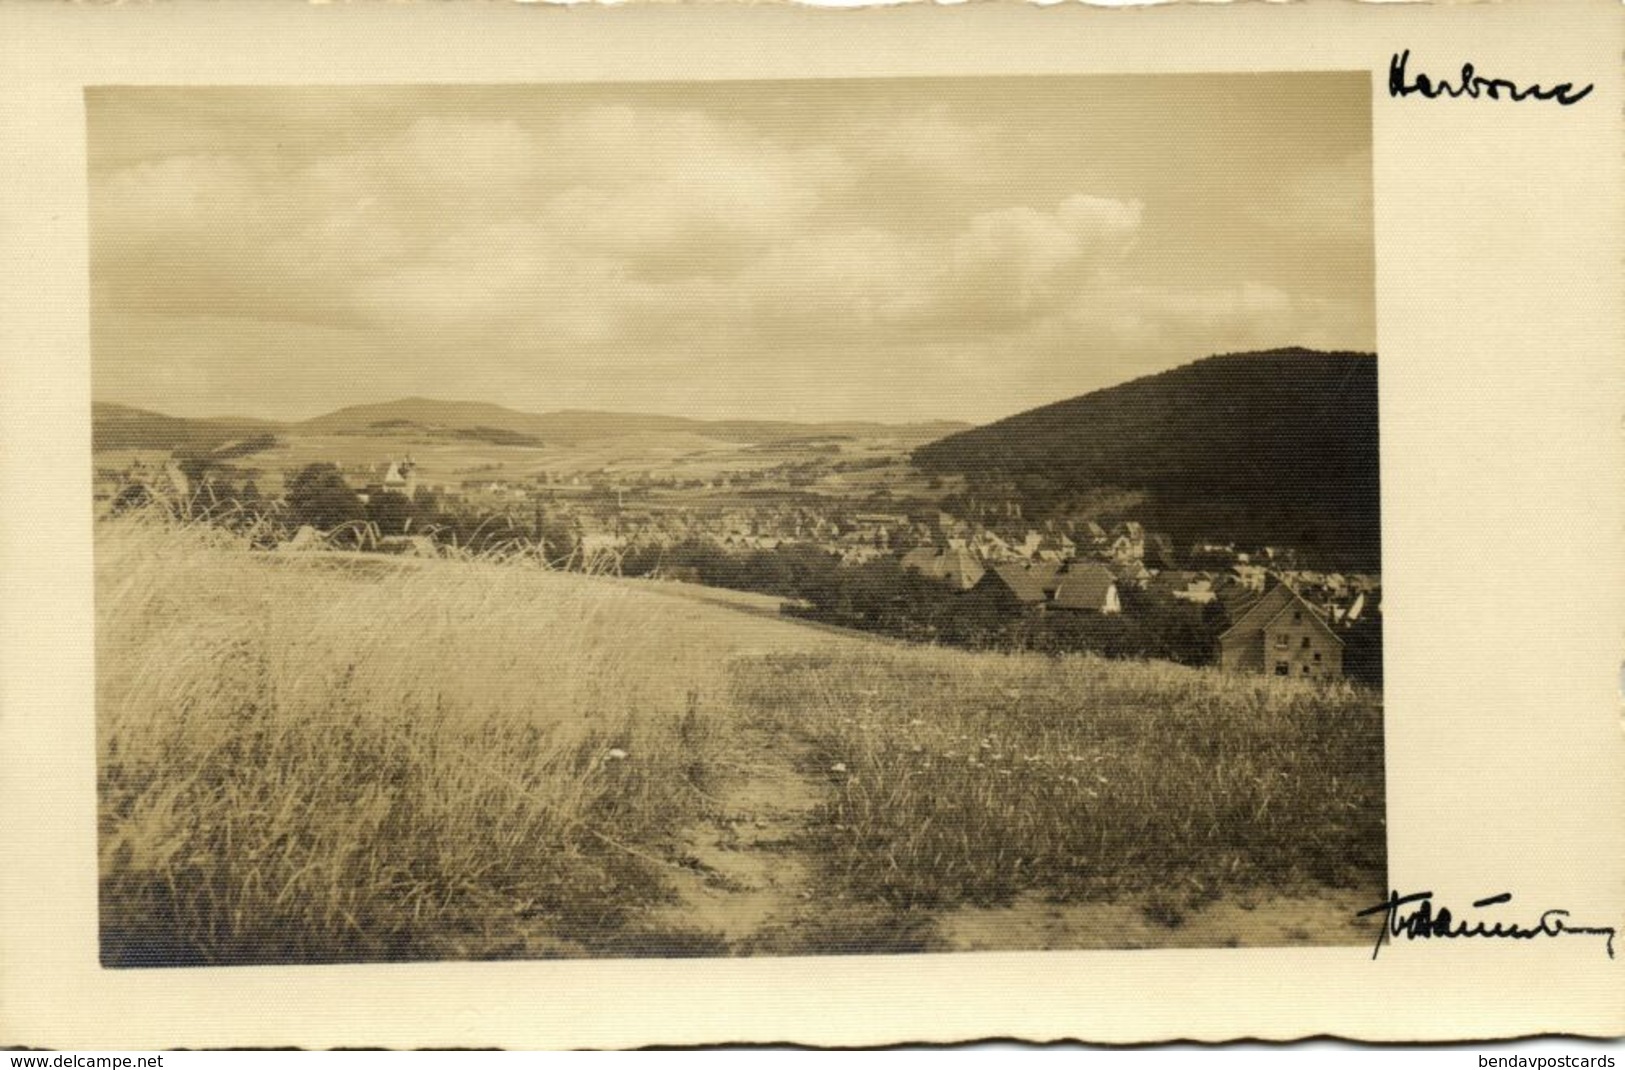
[955,566]
[1088,587]
[1079,585]
[1019,583]
[1283,635]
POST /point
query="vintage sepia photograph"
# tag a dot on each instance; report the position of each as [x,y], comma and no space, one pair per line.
[735,518]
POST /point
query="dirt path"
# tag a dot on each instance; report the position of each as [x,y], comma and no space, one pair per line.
[747,870]
[749,882]
[1263,919]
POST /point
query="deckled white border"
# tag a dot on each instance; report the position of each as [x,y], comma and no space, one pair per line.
[1499,335]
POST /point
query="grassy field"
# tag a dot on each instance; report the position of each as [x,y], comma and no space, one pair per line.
[303,761]
[310,758]
[969,779]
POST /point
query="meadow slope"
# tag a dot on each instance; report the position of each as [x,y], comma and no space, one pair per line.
[327,757]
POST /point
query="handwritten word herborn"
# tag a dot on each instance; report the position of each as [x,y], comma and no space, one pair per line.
[1474,85]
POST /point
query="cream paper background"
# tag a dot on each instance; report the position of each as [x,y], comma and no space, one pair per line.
[1499,318]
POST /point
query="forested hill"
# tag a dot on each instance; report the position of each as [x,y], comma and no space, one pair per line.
[1278,447]
[116,427]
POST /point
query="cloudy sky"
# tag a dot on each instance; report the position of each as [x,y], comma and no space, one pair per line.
[879,249]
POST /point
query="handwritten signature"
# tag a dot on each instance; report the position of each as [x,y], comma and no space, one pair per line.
[1425,922]
[1474,85]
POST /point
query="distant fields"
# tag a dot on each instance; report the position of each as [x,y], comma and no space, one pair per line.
[306,760]
[451,463]
[454,443]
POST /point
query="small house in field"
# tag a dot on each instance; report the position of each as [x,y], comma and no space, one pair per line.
[1282,635]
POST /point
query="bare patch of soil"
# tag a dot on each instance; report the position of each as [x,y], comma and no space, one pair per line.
[1262,919]
[745,866]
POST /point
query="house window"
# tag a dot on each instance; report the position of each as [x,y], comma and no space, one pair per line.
[1317,655]
[1282,642]
[1306,642]
[1282,669]
[1297,616]
[1306,670]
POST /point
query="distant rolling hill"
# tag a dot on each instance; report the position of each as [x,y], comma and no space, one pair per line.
[418,413]
[1278,447]
[116,427]
[123,427]
[572,426]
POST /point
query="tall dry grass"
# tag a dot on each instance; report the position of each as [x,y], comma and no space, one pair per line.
[972,778]
[319,757]
[348,757]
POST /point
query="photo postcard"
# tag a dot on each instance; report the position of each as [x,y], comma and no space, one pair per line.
[1097,537]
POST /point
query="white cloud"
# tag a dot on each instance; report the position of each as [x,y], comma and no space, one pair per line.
[1241,316]
[624,235]
[642,185]
[1032,260]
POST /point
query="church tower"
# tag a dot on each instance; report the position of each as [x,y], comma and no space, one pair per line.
[402,478]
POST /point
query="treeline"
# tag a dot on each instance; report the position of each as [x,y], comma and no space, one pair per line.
[793,571]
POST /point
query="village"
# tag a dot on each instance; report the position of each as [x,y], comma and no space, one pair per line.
[1263,610]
